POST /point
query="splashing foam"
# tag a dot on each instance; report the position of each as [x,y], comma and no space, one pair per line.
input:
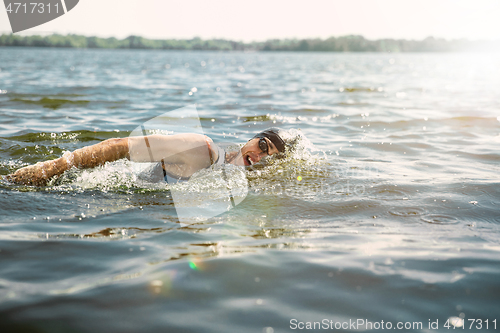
[116,176]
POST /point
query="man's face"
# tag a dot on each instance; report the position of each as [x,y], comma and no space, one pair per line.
[254,150]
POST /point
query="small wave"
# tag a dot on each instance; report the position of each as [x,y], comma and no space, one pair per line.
[21,95]
[107,233]
[476,157]
[261,118]
[70,136]
[50,103]
[468,121]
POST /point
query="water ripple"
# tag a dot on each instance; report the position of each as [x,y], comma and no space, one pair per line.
[439,219]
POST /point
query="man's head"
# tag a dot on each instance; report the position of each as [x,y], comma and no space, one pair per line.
[265,143]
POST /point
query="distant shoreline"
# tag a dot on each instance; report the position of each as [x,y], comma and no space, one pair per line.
[352,43]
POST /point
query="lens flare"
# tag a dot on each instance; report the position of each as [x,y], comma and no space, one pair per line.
[162,285]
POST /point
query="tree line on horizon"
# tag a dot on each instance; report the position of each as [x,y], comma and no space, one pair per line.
[352,43]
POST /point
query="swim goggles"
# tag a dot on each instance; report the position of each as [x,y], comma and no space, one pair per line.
[263,146]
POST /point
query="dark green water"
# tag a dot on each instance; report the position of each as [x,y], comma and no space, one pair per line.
[396,216]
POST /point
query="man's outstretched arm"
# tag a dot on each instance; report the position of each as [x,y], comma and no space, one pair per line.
[87,157]
[182,149]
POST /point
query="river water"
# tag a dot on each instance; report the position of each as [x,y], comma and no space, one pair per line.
[389,214]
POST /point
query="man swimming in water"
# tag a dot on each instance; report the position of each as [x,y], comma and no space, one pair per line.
[181,155]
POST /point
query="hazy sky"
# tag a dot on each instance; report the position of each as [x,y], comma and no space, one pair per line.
[264,19]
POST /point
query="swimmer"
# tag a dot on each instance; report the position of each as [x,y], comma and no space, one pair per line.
[181,155]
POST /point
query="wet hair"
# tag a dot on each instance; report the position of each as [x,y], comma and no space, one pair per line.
[273,135]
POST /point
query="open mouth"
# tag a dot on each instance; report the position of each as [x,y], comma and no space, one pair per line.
[249,160]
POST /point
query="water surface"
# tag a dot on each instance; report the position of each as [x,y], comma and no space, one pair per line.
[395,216]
